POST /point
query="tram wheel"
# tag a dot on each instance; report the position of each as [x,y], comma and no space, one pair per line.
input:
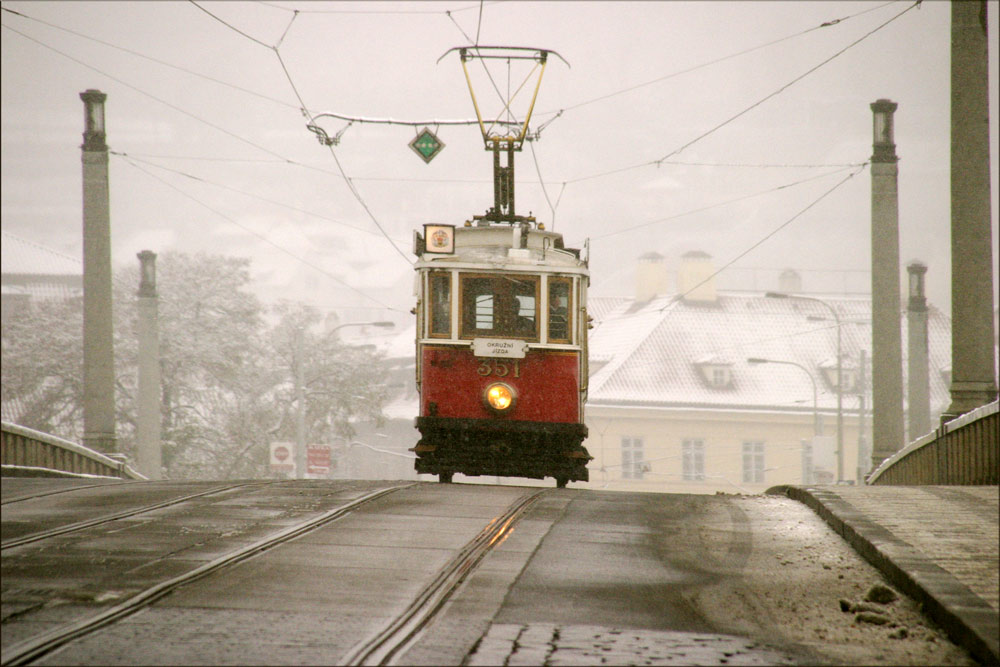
[445,477]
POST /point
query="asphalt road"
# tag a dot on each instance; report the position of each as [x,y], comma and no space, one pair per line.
[583,577]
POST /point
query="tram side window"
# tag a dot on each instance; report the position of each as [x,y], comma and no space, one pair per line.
[559,293]
[502,306]
[440,288]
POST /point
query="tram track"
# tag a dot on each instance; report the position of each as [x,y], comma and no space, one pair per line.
[29,650]
[33,496]
[401,632]
[109,518]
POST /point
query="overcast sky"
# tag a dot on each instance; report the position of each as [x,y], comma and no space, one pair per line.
[213,154]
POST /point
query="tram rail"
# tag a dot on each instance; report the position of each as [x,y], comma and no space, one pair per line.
[29,650]
[90,523]
[401,632]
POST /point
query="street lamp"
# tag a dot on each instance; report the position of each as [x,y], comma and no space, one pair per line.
[300,414]
[817,424]
[840,377]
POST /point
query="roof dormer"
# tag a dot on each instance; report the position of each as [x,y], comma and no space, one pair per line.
[715,371]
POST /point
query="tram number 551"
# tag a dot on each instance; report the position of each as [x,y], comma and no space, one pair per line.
[500,368]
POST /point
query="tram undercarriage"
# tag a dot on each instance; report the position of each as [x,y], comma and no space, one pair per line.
[506,449]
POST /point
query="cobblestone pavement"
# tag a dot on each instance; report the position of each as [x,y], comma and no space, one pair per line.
[548,644]
[940,544]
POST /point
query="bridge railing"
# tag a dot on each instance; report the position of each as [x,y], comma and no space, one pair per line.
[964,451]
[27,452]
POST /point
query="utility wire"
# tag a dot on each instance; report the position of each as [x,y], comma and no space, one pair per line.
[541,182]
[787,85]
[766,237]
[154,97]
[825,24]
[367,11]
[260,236]
[152,59]
[305,110]
[716,205]
[137,158]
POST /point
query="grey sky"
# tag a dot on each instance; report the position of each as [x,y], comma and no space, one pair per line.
[379,60]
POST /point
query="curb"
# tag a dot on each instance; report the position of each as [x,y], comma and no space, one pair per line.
[964,616]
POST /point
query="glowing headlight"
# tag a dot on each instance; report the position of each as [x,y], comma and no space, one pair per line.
[499,396]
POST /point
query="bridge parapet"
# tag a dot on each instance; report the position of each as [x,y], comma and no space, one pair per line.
[27,452]
[964,451]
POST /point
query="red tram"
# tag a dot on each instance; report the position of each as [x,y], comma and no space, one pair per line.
[501,352]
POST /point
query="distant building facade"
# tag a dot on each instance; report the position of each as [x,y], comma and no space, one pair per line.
[674,405]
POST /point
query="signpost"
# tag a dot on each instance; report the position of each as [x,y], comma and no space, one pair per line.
[282,459]
[318,460]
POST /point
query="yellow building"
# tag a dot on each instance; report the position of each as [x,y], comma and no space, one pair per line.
[676,403]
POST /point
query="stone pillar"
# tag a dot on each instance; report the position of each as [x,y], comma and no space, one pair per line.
[147,431]
[98,340]
[887,348]
[918,394]
[973,361]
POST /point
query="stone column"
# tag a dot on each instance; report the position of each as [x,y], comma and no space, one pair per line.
[973,360]
[887,348]
[98,340]
[918,395]
[147,430]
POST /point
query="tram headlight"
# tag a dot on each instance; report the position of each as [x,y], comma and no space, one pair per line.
[500,397]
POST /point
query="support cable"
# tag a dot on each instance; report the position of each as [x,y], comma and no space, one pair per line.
[719,204]
[787,85]
[766,237]
[261,237]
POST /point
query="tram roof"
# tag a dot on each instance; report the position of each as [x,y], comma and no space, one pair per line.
[507,247]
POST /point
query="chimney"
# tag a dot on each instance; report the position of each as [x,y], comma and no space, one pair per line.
[790,282]
[918,376]
[650,277]
[695,281]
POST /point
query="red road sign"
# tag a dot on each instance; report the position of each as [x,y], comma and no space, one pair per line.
[318,459]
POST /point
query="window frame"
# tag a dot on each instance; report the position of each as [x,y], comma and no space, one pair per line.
[693,459]
[754,452]
[465,334]
[447,275]
[570,309]
[633,469]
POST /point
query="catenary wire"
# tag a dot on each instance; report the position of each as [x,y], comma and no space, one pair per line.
[244,193]
[717,204]
[787,85]
[825,24]
[152,59]
[261,237]
[768,235]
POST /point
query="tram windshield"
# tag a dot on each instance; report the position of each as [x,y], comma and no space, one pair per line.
[500,305]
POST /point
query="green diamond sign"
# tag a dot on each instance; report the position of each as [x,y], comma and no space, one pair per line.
[426,145]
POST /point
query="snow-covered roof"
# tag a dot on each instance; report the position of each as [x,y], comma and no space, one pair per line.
[19,256]
[654,353]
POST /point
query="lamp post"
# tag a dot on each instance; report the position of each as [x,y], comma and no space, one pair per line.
[840,377]
[300,399]
[817,425]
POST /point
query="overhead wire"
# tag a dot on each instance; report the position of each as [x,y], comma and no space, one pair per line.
[720,204]
[261,237]
[787,85]
[352,188]
[150,58]
[767,236]
[709,63]
[137,158]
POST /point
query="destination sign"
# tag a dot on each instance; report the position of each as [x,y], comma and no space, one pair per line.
[499,347]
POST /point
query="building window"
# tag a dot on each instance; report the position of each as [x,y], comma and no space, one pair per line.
[633,464]
[753,462]
[693,458]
